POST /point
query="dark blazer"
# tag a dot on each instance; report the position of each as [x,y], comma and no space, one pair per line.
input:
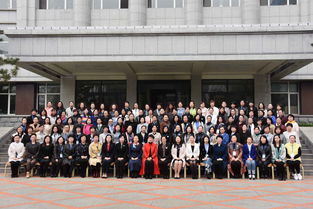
[58,149]
[220,152]
[31,150]
[45,151]
[82,150]
[121,151]
[99,130]
[203,151]
[167,155]
[246,153]
[143,138]
[69,151]
[108,153]
[264,149]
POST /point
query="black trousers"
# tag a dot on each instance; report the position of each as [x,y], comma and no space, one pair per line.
[56,168]
[193,169]
[106,165]
[219,169]
[96,170]
[82,167]
[280,169]
[164,169]
[14,168]
[67,170]
[236,167]
[44,168]
[149,168]
[120,167]
[294,166]
[263,168]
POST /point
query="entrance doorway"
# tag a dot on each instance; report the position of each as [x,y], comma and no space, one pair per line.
[163,92]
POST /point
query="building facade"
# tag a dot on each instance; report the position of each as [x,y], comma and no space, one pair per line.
[158,51]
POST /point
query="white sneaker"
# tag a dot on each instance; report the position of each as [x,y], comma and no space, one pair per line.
[250,176]
[296,176]
[299,177]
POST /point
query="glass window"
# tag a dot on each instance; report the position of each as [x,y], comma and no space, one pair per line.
[165,3]
[221,3]
[13,4]
[97,4]
[42,88]
[41,102]
[69,4]
[294,106]
[110,4]
[3,104]
[4,88]
[281,99]
[124,4]
[227,90]
[54,99]
[56,4]
[207,3]
[107,92]
[279,87]
[263,2]
[42,4]
[179,4]
[292,2]
[293,87]
[4,4]
[278,2]
[53,88]
[235,3]
[12,104]
[151,3]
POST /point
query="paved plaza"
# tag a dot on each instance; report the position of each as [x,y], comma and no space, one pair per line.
[128,193]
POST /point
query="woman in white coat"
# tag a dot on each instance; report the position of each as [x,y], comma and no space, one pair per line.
[192,156]
[16,152]
[178,153]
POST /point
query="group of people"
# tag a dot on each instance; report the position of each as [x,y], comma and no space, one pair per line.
[238,138]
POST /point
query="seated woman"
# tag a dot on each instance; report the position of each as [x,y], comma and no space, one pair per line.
[235,165]
[150,165]
[45,155]
[135,155]
[178,152]
[249,157]
[164,155]
[219,157]
[192,156]
[206,154]
[279,157]
[264,154]
[82,156]
[121,156]
[16,151]
[58,156]
[31,152]
[107,154]
[293,154]
[69,157]
[95,156]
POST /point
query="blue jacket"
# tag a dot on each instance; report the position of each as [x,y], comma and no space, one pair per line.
[225,138]
[246,152]
[220,152]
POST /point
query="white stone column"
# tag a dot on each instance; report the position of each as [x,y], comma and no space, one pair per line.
[193,12]
[305,11]
[137,12]
[67,89]
[21,13]
[31,13]
[250,12]
[311,10]
[82,12]
[131,86]
[262,88]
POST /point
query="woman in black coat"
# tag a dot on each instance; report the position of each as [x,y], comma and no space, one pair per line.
[264,156]
[82,156]
[107,154]
[58,156]
[206,155]
[121,156]
[69,157]
[45,155]
[165,157]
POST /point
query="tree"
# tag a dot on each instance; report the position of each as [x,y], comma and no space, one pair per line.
[8,68]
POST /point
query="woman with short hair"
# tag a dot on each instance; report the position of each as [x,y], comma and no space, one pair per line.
[293,153]
[95,156]
[120,156]
[16,151]
[31,152]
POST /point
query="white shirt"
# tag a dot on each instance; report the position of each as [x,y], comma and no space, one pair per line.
[16,150]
